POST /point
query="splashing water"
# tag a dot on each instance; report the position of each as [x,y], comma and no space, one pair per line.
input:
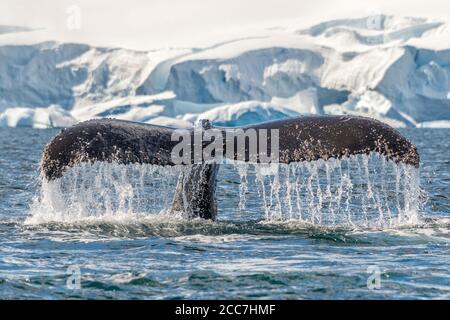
[364,191]
[99,191]
[358,191]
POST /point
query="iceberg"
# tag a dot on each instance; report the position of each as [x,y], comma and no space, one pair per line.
[395,69]
[42,118]
[435,124]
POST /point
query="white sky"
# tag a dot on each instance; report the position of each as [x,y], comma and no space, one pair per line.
[146,24]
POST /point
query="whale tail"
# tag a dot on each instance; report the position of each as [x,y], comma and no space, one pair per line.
[300,139]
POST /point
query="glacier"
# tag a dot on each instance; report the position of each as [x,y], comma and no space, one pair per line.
[395,69]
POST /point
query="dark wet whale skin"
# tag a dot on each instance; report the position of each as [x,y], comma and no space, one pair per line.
[300,139]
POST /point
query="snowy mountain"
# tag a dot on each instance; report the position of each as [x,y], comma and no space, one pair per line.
[390,68]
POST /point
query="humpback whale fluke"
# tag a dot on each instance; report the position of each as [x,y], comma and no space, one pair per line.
[300,139]
[323,137]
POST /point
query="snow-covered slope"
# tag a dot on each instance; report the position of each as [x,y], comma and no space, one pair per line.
[381,66]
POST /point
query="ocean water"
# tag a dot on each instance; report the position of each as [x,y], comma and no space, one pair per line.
[360,228]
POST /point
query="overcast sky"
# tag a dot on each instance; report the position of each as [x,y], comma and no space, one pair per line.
[145,24]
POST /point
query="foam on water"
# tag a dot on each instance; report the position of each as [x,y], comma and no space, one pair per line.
[357,191]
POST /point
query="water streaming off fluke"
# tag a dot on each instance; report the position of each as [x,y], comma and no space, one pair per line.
[358,191]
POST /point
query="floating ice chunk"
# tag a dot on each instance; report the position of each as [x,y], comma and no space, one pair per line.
[53,116]
[435,124]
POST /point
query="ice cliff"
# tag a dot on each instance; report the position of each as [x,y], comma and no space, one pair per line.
[390,68]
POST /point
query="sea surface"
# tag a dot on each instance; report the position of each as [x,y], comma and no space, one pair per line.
[361,228]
